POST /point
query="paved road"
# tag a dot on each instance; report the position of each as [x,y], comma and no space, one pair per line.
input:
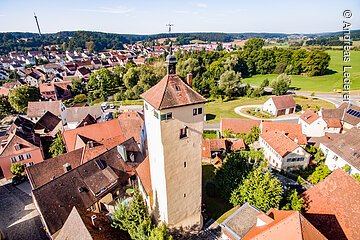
[18,216]
[335,98]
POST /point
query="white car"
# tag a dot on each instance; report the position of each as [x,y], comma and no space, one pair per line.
[104,105]
[112,106]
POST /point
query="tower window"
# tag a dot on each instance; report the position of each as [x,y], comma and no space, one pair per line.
[184,194]
[185,164]
[197,111]
[156,114]
[183,132]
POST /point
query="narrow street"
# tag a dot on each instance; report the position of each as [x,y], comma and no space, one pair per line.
[18,217]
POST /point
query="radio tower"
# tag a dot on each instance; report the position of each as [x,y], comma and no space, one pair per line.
[170,25]
[37,23]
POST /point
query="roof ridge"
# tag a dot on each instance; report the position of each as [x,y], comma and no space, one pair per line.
[163,95]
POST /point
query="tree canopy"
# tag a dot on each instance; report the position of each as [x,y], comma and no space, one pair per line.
[57,147]
[20,96]
[17,169]
[5,107]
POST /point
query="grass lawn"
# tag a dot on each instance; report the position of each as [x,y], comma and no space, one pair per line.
[326,83]
[215,206]
[256,113]
[217,109]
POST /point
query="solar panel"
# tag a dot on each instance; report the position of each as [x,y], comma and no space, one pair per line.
[100,164]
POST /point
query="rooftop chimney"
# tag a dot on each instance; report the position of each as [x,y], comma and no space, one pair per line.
[67,167]
[189,78]
[90,144]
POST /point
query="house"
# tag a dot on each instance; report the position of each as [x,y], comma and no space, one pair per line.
[312,125]
[83,73]
[292,130]
[33,79]
[144,181]
[81,116]
[343,150]
[3,75]
[19,146]
[94,186]
[35,110]
[238,224]
[283,225]
[237,144]
[86,225]
[48,125]
[348,114]
[47,91]
[212,147]
[280,105]
[282,152]
[238,125]
[332,206]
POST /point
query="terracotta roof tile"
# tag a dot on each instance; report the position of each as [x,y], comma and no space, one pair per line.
[285,101]
[333,206]
[238,145]
[143,171]
[292,130]
[309,116]
[279,142]
[37,109]
[238,125]
[170,92]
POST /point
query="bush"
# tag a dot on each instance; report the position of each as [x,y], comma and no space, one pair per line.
[118,96]
[80,98]
[17,169]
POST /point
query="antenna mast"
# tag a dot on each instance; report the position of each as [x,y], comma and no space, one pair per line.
[37,23]
[170,25]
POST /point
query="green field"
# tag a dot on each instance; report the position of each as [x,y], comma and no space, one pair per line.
[326,83]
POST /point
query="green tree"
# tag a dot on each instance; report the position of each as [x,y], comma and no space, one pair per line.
[254,44]
[103,83]
[252,136]
[281,84]
[320,173]
[20,96]
[316,63]
[160,233]
[17,169]
[230,83]
[346,168]
[133,217]
[77,86]
[233,171]
[80,98]
[260,189]
[356,176]
[190,65]
[5,107]
[293,201]
[265,83]
[57,147]
[227,133]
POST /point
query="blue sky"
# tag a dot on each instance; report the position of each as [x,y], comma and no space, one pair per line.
[148,17]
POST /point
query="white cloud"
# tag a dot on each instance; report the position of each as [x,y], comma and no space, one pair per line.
[114,10]
[201,5]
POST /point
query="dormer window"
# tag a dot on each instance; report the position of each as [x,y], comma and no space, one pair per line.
[17,147]
[183,132]
[177,88]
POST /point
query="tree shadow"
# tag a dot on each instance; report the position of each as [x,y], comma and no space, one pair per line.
[210,116]
[329,72]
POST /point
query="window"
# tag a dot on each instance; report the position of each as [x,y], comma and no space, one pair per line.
[335,157]
[183,132]
[185,164]
[184,194]
[21,157]
[28,155]
[17,147]
[29,164]
[146,106]
[156,114]
[177,88]
[13,159]
[197,111]
[166,116]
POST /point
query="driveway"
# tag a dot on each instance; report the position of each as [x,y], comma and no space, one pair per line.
[18,217]
[335,98]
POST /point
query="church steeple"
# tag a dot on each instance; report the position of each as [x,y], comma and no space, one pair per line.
[171,62]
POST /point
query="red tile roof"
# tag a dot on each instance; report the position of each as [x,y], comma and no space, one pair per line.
[143,171]
[37,109]
[333,122]
[309,116]
[96,132]
[46,87]
[170,92]
[279,142]
[238,125]
[238,145]
[284,225]
[131,124]
[292,130]
[285,101]
[333,206]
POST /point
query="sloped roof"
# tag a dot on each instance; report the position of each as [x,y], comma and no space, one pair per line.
[78,225]
[170,92]
[237,145]
[309,116]
[238,125]
[284,225]
[131,123]
[333,206]
[77,114]
[292,130]
[48,121]
[347,146]
[37,109]
[56,198]
[42,173]
[279,142]
[285,101]
[143,171]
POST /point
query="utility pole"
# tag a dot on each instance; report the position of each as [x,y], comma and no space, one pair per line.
[37,23]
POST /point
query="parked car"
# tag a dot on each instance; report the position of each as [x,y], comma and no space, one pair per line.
[112,106]
[104,105]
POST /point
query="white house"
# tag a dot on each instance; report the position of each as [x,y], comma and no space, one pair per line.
[312,125]
[343,150]
[283,153]
[3,75]
[347,114]
[280,105]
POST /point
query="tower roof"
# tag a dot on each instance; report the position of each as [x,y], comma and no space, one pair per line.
[171,92]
